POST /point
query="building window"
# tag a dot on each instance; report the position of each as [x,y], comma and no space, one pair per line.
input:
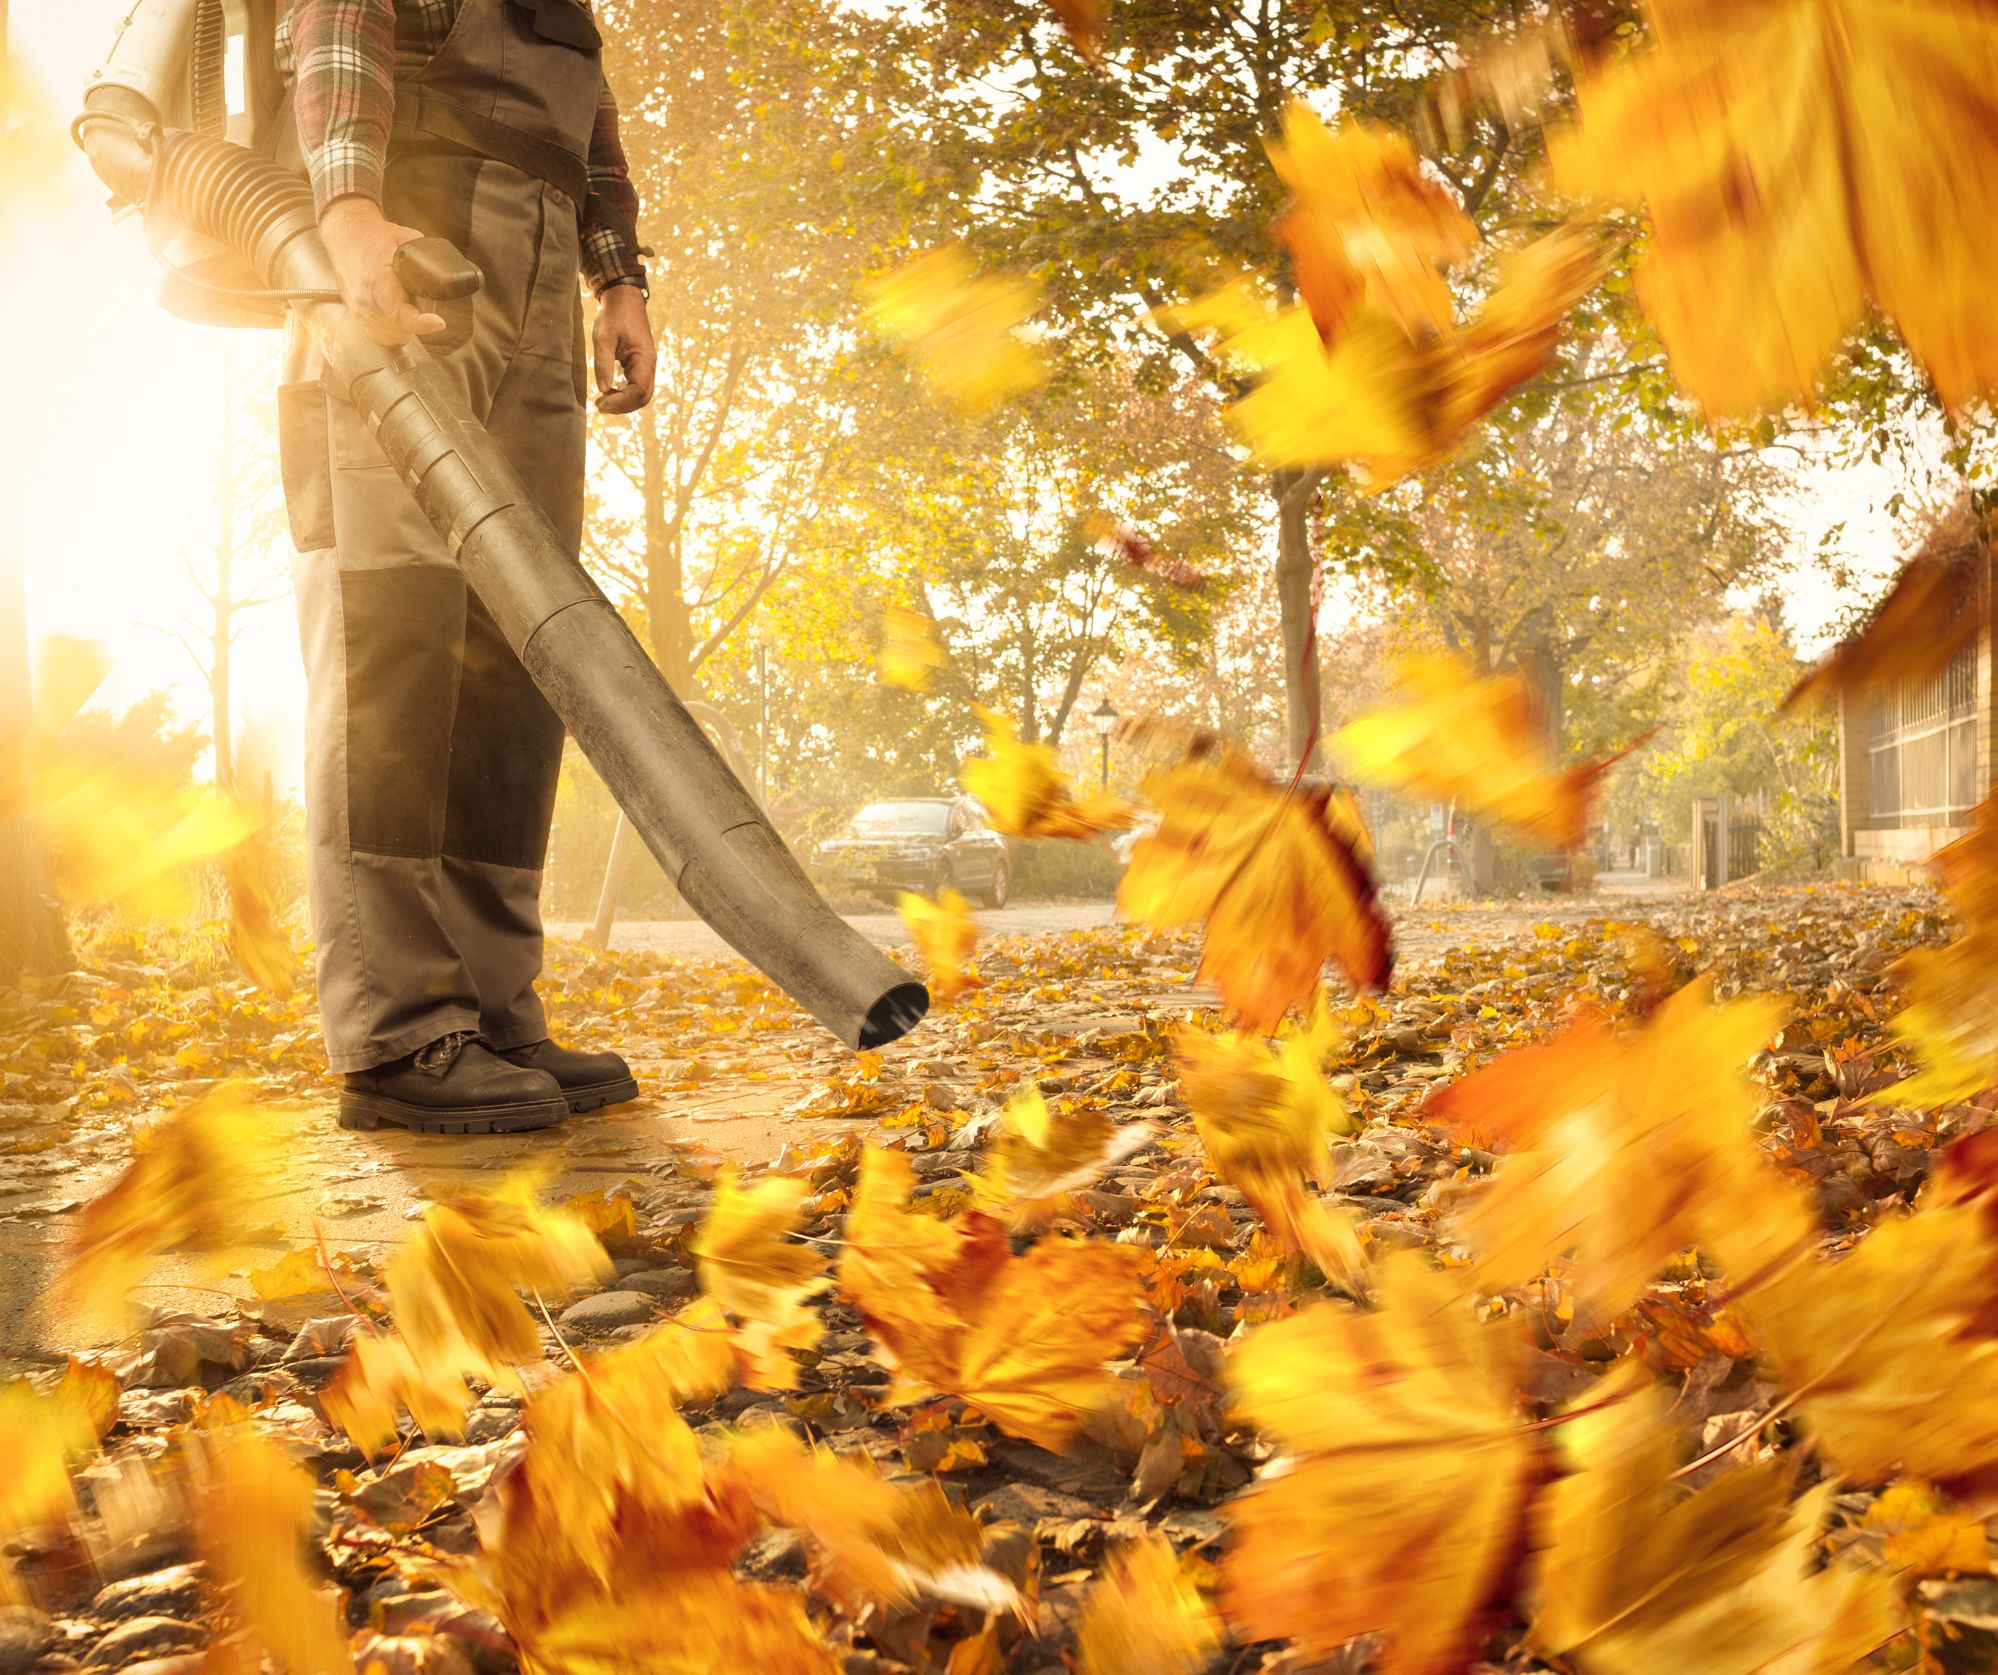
[1921,748]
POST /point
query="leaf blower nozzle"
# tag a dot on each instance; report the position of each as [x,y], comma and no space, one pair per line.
[677,790]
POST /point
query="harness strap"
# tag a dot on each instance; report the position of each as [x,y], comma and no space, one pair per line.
[420,110]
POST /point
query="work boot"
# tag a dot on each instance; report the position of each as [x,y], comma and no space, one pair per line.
[588,1080]
[455,1085]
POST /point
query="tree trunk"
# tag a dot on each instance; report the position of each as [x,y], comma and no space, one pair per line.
[31,930]
[1294,573]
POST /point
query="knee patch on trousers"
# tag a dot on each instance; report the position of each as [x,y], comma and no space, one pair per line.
[405,634]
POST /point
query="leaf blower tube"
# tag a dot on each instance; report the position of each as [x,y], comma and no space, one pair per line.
[695,816]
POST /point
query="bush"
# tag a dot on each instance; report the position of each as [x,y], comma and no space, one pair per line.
[1062,867]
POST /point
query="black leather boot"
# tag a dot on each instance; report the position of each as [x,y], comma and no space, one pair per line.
[588,1080]
[455,1085]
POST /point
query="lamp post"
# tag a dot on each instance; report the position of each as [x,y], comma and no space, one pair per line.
[1104,719]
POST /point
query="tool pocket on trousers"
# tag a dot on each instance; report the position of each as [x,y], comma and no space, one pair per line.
[305,459]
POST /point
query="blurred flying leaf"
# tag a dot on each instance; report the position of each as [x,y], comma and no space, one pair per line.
[1800,159]
[910,655]
[258,942]
[1026,794]
[1921,1532]
[944,933]
[1084,20]
[1478,741]
[253,1516]
[1265,1117]
[1890,1351]
[47,1434]
[1366,224]
[879,1543]
[200,1182]
[959,326]
[1627,1149]
[455,1285]
[1125,543]
[90,1390]
[1425,1423]
[1038,1155]
[378,1379]
[1634,1578]
[750,1266]
[1025,1338]
[1377,401]
[1276,875]
[1144,1616]
[1917,630]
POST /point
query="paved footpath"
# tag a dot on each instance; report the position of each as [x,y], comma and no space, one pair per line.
[708,1099]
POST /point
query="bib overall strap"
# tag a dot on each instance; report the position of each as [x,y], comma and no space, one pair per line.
[423,111]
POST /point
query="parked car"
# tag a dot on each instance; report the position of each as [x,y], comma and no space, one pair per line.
[925,844]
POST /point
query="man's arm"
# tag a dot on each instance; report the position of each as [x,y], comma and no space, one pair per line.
[608,220]
[343,57]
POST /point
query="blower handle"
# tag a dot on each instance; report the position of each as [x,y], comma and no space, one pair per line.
[436,269]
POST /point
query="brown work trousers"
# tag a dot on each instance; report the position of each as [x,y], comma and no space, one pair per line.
[431,758]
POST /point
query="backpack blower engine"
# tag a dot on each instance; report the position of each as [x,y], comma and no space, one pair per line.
[237,231]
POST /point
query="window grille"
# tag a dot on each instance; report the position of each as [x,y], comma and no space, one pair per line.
[1922,748]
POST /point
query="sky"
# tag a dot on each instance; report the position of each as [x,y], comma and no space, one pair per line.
[110,426]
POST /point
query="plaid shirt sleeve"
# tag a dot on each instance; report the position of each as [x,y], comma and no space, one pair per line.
[609,216]
[342,57]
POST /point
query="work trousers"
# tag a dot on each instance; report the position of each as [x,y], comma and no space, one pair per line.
[431,758]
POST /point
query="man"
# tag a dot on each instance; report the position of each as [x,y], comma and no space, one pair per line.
[431,758]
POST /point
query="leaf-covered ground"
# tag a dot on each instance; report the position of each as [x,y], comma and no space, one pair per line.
[1088,1019]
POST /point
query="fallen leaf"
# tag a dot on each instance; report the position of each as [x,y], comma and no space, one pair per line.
[1274,875]
[1921,1532]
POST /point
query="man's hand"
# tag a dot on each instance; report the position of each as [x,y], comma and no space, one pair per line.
[363,242]
[622,341]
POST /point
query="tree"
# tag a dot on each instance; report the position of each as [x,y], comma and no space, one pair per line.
[241,534]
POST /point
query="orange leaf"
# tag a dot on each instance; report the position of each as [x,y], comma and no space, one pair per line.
[945,933]
[1028,796]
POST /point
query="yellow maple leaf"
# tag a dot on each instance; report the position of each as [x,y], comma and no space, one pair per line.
[1275,874]
[1922,1532]
[1894,1367]
[1628,1149]
[1478,741]
[455,1287]
[959,326]
[1633,1579]
[910,655]
[253,1514]
[1265,1117]
[881,1543]
[749,1265]
[1144,1616]
[378,1379]
[1026,794]
[1800,159]
[1025,1339]
[1038,1155]
[1366,223]
[945,933]
[199,1183]
[1425,1422]
[1376,401]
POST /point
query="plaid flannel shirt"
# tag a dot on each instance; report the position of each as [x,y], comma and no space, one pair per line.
[344,56]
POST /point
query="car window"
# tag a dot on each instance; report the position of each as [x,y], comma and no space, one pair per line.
[911,819]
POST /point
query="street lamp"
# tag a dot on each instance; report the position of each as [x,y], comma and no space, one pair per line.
[1104,719]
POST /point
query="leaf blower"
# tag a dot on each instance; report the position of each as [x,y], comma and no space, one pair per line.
[188,122]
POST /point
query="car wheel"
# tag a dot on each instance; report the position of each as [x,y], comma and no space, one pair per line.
[1001,886]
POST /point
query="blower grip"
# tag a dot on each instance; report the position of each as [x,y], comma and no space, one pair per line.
[436,268]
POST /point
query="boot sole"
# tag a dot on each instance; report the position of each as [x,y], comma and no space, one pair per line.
[366,1111]
[594,1096]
